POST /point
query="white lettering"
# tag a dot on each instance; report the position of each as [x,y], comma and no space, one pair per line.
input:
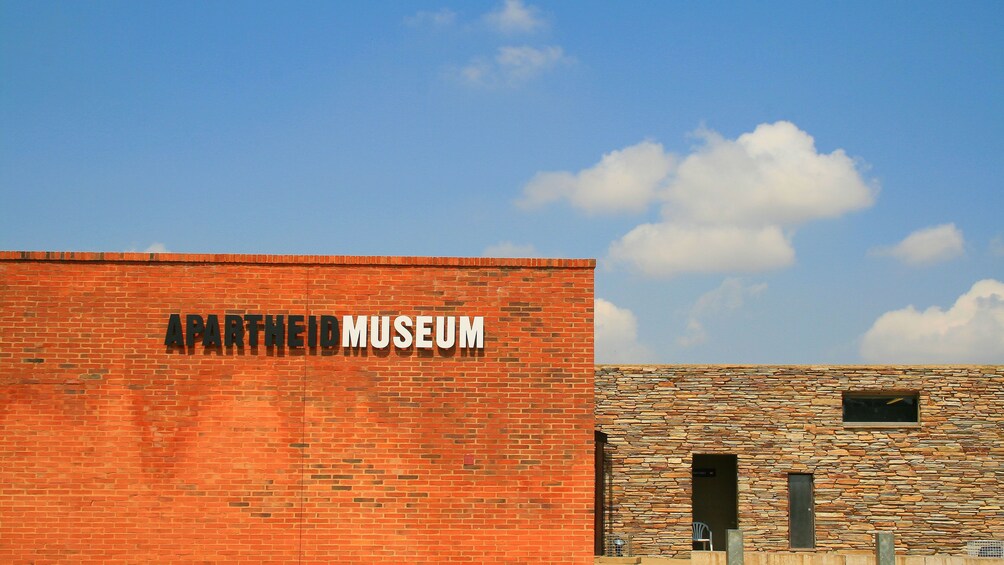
[446,331]
[353,331]
[402,326]
[379,331]
[423,332]
[472,332]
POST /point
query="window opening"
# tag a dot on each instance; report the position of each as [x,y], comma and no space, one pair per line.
[891,407]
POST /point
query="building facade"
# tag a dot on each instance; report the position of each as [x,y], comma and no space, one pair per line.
[802,457]
[262,409]
[285,409]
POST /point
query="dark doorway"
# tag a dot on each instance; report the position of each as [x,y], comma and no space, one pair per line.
[715,499]
[801,518]
[599,523]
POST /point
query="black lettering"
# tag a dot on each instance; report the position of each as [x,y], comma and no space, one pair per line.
[274,330]
[234,332]
[253,321]
[312,331]
[329,331]
[295,336]
[194,326]
[175,335]
[211,337]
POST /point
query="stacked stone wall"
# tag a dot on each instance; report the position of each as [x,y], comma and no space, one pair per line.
[937,485]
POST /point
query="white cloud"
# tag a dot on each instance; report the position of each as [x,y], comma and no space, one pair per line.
[515,17]
[617,335]
[439,19]
[971,331]
[926,246]
[624,180]
[510,249]
[728,206]
[771,176]
[731,295]
[733,206]
[668,249]
[513,66]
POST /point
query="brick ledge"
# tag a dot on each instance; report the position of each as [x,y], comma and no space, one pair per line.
[123,257]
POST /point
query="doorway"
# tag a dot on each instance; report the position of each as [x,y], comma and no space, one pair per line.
[600,483]
[801,515]
[715,499]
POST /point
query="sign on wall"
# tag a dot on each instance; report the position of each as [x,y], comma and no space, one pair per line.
[294,331]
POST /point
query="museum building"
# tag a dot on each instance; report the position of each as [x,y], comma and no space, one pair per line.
[275,409]
[331,409]
[802,458]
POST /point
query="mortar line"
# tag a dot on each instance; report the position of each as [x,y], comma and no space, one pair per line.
[303,427]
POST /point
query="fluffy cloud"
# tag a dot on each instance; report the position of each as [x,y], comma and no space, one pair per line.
[515,17]
[926,246]
[512,66]
[510,249]
[771,176]
[728,206]
[731,295]
[971,331]
[733,206]
[625,180]
[668,249]
[617,335]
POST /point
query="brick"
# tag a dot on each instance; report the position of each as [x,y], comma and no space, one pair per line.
[115,448]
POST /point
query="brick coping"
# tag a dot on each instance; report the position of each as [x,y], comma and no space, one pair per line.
[399,261]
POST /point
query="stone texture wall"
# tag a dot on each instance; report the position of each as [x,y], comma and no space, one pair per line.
[937,485]
[118,448]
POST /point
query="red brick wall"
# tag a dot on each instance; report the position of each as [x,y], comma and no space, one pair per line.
[115,448]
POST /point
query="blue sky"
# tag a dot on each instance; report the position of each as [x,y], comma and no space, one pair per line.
[798,182]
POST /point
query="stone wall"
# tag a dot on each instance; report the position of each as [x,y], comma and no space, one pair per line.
[937,485]
[802,558]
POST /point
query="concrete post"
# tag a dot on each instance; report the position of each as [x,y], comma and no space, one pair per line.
[734,547]
[885,552]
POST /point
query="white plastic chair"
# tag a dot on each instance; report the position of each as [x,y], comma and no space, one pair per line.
[702,534]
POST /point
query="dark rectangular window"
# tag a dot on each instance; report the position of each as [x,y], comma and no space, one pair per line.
[801,516]
[893,407]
